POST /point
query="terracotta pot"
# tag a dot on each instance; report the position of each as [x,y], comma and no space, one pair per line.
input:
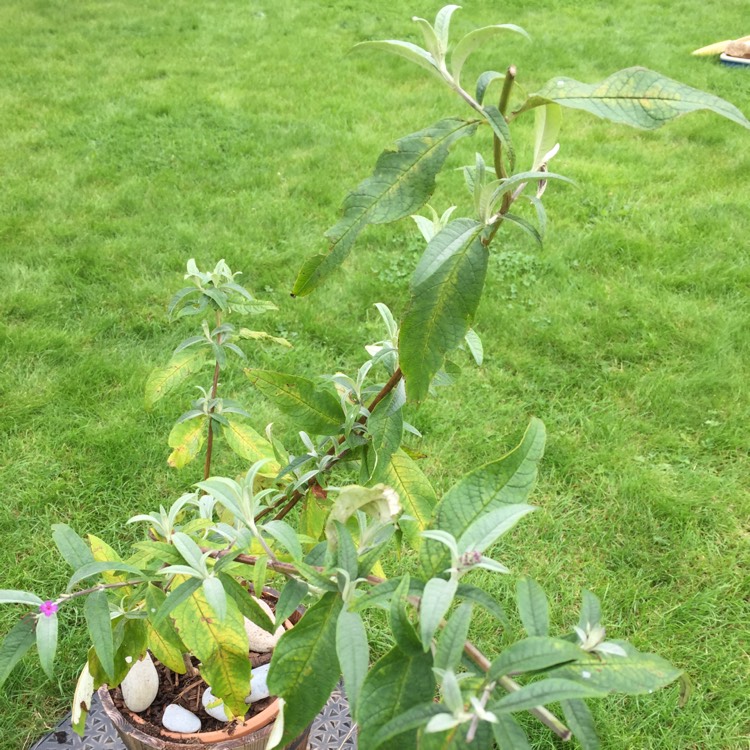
[250,735]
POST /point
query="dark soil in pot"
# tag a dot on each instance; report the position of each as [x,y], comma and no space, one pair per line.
[187,692]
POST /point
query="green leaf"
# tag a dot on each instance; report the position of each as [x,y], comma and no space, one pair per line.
[532,606]
[187,440]
[485,80]
[314,514]
[546,691]
[502,132]
[215,596]
[190,551]
[380,595]
[46,642]
[436,600]
[386,427]
[548,120]
[395,684]
[445,296]
[430,38]
[591,611]
[96,611]
[305,667]
[414,718]
[247,605]
[578,717]
[18,641]
[163,640]
[283,533]
[474,39]
[73,549]
[346,551]
[96,568]
[526,226]
[507,481]
[483,599]
[353,654]
[532,654]
[313,409]
[442,247]
[633,675]
[259,574]
[475,346]
[131,641]
[417,496]
[407,50]
[638,97]
[292,595]
[165,379]
[13,596]
[488,528]
[183,592]
[403,180]
[442,26]
[246,333]
[401,627]
[509,734]
[450,647]
[251,446]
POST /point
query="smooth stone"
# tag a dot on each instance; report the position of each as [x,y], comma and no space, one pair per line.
[179,719]
[259,684]
[258,639]
[217,712]
[141,685]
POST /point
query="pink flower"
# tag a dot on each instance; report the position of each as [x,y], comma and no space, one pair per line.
[48,608]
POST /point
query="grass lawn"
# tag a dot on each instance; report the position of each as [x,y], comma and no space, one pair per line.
[136,135]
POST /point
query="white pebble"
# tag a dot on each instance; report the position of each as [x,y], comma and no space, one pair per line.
[258,639]
[178,719]
[217,711]
[141,684]
[259,684]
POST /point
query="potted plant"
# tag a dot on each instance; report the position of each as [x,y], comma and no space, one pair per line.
[321,516]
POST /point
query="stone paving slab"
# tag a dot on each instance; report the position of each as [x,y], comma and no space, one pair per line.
[331,730]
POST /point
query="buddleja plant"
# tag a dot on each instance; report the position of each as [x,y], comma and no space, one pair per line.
[219,294]
[185,589]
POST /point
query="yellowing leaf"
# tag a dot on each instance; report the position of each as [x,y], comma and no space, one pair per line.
[165,379]
[187,439]
[251,446]
[104,553]
[220,646]
[246,333]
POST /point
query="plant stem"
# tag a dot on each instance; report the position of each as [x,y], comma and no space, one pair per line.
[214,388]
[385,390]
[546,717]
[100,587]
[297,495]
[497,146]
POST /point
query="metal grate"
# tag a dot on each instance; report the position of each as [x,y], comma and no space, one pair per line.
[331,730]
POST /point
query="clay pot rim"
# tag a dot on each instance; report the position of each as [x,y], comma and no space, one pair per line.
[253,724]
